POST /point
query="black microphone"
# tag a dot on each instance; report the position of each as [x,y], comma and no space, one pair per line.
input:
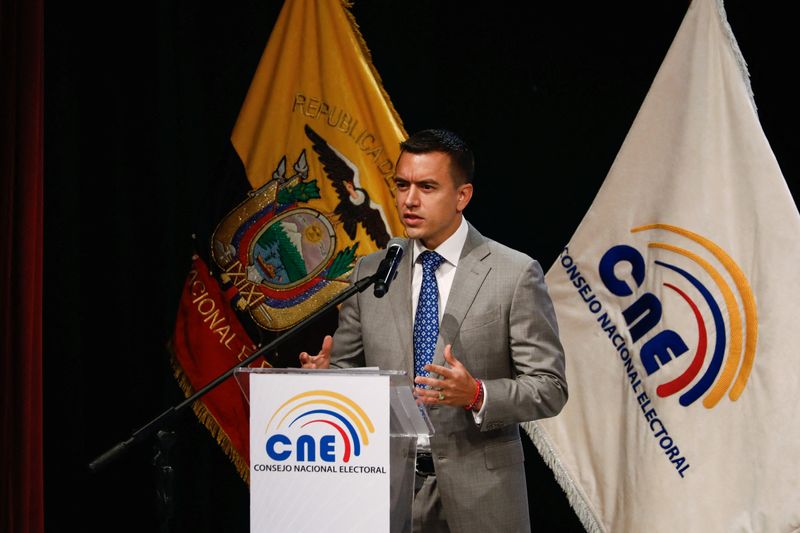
[387,270]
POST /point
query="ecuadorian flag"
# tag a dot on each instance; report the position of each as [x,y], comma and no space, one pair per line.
[316,141]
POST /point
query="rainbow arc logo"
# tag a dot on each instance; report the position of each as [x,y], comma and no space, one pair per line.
[733,353]
[327,408]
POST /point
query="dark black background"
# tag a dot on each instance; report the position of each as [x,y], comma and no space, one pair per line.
[140,101]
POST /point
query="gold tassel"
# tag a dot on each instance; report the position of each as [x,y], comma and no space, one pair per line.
[210,423]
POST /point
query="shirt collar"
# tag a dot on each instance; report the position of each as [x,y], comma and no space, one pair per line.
[451,248]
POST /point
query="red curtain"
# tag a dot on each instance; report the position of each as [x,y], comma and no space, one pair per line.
[21,238]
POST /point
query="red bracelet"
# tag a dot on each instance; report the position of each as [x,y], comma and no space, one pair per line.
[478,395]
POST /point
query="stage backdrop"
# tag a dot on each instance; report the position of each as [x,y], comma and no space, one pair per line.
[139,111]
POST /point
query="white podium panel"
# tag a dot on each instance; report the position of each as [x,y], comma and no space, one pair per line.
[331,450]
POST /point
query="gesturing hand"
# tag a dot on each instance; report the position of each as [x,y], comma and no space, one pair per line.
[322,359]
[455,387]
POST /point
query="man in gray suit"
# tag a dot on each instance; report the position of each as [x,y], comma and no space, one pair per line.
[493,339]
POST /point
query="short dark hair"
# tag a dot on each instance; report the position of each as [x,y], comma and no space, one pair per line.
[462,162]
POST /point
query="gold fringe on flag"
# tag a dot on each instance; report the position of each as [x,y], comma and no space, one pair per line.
[207,419]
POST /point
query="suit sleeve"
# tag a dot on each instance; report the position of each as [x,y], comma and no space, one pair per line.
[348,345]
[539,387]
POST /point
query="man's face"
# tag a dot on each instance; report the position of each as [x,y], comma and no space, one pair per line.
[428,201]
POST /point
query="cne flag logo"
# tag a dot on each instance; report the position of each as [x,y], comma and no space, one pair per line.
[318,425]
[724,356]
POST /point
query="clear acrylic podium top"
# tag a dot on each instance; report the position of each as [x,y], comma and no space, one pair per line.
[406,419]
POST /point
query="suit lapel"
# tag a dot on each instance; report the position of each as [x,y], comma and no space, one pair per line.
[400,300]
[470,274]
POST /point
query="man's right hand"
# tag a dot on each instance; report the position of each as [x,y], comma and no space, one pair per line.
[322,359]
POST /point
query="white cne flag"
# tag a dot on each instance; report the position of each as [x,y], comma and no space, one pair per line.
[677,303]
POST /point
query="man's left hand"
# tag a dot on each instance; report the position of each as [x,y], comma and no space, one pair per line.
[455,386]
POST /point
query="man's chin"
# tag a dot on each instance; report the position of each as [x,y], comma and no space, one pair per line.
[414,233]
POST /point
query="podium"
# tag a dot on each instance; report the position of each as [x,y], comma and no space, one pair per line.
[331,450]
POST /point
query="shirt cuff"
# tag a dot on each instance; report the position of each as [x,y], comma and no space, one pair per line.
[478,417]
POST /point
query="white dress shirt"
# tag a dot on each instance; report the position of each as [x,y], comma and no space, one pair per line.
[450,250]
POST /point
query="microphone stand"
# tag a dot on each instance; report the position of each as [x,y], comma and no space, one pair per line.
[145,431]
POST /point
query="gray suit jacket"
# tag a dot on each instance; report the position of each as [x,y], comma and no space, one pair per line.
[501,324]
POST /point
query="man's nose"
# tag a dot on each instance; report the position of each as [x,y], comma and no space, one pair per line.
[412,198]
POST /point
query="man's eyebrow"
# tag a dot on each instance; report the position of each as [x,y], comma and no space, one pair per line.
[426,181]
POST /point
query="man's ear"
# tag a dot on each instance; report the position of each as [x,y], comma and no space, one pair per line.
[464,196]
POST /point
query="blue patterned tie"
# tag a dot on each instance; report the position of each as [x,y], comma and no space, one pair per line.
[426,321]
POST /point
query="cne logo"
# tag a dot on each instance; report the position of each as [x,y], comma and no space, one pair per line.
[318,425]
[724,356]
